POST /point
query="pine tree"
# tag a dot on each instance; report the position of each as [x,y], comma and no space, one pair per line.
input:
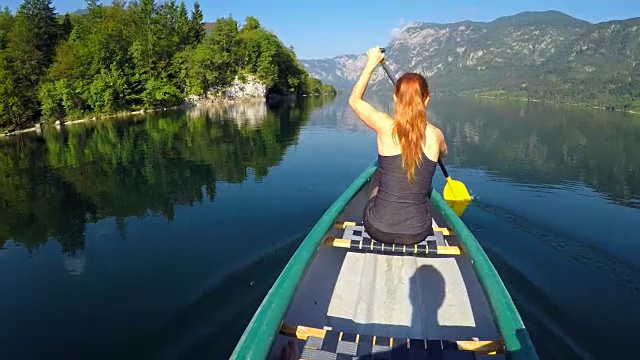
[183,26]
[37,26]
[197,31]
[6,23]
[66,27]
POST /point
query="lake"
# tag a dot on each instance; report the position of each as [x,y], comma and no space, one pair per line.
[157,235]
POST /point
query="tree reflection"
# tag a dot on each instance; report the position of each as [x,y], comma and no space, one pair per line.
[52,184]
[542,143]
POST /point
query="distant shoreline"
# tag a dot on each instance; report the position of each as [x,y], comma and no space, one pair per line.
[186,104]
[551,102]
[40,125]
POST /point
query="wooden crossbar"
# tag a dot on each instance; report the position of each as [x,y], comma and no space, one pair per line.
[489,347]
[429,249]
[344,224]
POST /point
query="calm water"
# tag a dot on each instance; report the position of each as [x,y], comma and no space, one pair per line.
[157,236]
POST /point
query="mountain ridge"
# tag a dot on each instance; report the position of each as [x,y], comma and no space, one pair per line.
[545,55]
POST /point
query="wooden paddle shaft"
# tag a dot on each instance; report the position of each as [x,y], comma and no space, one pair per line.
[393,80]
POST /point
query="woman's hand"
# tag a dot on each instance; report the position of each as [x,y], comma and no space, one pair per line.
[376,120]
[374,56]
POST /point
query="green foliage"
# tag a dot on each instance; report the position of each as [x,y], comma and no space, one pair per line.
[313,86]
[109,91]
[196,28]
[6,23]
[160,93]
[203,69]
[183,26]
[251,23]
[29,41]
[130,55]
[66,27]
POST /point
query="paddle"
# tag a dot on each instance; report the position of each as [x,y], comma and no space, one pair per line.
[454,190]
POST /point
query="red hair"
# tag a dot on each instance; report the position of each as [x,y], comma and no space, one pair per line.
[410,118]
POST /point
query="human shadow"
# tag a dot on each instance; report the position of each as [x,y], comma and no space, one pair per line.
[426,294]
[429,304]
[423,336]
[420,338]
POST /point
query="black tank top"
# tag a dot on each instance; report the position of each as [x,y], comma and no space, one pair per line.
[400,207]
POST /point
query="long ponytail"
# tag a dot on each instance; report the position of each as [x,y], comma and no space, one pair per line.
[410,120]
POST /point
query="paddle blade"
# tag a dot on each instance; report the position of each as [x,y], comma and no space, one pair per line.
[458,206]
[455,190]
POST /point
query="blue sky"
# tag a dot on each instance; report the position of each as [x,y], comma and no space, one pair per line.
[319,29]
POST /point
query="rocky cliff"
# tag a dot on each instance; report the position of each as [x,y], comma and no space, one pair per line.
[245,89]
[544,55]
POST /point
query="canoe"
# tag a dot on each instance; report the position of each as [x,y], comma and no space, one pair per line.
[342,295]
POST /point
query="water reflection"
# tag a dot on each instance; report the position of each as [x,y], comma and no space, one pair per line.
[53,183]
[541,145]
[250,114]
[338,114]
[536,143]
[211,324]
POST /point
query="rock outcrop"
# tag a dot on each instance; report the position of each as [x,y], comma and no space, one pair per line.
[247,89]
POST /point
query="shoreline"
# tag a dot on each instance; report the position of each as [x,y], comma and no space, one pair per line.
[185,105]
[38,126]
[191,104]
[552,102]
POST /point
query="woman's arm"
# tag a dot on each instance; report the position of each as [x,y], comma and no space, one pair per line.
[370,116]
[443,146]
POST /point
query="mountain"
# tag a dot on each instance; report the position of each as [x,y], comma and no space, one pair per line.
[541,55]
[341,71]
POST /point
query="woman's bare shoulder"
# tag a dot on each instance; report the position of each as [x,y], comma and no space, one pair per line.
[434,131]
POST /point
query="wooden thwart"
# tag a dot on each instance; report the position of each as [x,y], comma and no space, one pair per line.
[344,224]
[382,247]
[444,231]
[489,347]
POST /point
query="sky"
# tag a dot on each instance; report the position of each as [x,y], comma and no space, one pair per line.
[328,28]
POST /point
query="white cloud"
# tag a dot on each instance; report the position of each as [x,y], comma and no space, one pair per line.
[396,30]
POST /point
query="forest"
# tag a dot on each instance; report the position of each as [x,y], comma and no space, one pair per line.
[131,55]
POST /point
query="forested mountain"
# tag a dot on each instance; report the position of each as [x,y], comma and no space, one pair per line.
[131,55]
[541,55]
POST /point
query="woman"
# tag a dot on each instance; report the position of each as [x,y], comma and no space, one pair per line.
[408,150]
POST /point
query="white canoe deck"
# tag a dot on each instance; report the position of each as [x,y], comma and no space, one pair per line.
[435,298]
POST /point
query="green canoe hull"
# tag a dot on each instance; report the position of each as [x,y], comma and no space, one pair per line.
[262,330]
